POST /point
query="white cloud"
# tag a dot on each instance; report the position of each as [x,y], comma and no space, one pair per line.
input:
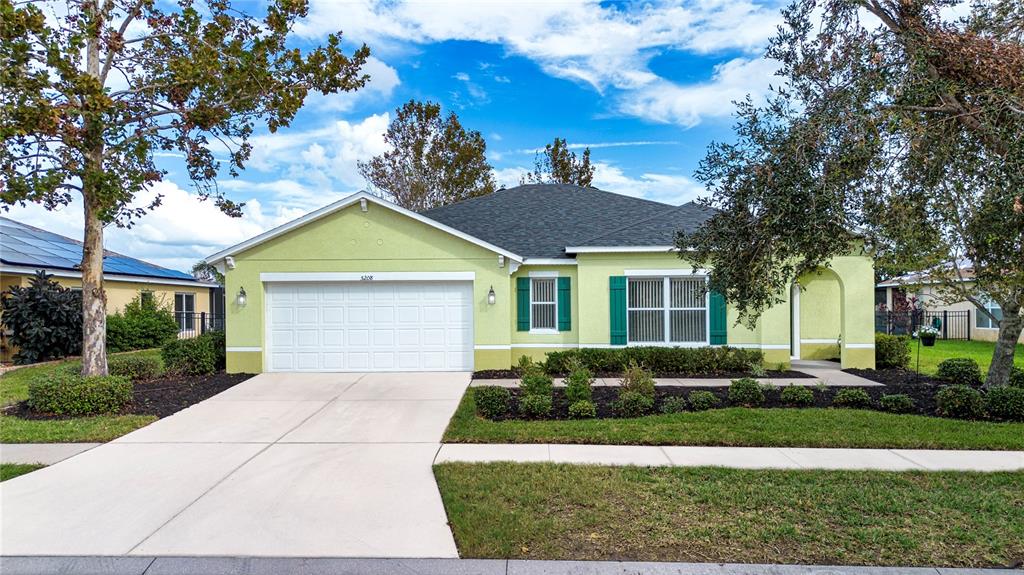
[597,145]
[461,76]
[383,81]
[667,188]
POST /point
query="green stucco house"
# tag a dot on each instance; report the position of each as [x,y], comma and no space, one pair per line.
[365,285]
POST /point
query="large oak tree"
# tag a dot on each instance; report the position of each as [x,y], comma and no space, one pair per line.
[93,89]
[892,120]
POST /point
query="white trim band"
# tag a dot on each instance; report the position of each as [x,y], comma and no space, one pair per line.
[492,346]
[548,262]
[678,272]
[245,349]
[835,341]
[367,276]
[860,346]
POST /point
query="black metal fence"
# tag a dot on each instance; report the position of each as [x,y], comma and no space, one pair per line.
[951,324]
[193,323]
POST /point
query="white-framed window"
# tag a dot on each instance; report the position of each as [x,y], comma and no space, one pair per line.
[184,310]
[544,304]
[667,310]
[983,321]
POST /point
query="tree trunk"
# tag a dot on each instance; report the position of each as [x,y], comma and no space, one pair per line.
[1006,344]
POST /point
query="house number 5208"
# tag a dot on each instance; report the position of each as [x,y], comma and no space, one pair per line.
[367,278]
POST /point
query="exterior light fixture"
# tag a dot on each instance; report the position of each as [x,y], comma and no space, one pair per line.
[240,298]
[490,296]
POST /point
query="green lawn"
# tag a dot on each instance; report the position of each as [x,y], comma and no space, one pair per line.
[547,511]
[100,428]
[746,427]
[12,470]
[979,351]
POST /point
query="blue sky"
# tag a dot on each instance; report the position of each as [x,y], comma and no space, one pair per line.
[647,85]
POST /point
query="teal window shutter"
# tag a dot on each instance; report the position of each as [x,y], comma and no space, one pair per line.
[564,304]
[617,315]
[523,304]
[717,320]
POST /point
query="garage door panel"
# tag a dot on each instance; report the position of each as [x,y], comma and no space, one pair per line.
[341,326]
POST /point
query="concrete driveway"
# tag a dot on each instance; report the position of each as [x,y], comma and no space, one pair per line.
[279,465]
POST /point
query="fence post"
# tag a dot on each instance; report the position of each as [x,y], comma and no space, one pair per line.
[202,322]
[968,312]
[945,324]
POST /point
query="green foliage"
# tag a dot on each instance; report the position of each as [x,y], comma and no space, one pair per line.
[746,392]
[636,379]
[62,392]
[892,351]
[959,402]
[896,403]
[797,396]
[1005,403]
[136,367]
[432,161]
[524,364]
[200,355]
[633,404]
[535,406]
[1016,377]
[582,409]
[674,404]
[852,398]
[492,401]
[536,382]
[142,324]
[44,319]
[557,164]
[578,385]
[703,400]
[960,371]
[660,360]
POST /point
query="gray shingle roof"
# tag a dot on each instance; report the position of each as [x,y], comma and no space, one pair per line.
[540,220]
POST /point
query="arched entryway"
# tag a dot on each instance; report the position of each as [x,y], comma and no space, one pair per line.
[816,316]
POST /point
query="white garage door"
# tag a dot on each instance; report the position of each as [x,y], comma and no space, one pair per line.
[370,326]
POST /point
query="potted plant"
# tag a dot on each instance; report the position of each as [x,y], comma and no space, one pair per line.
[927,333]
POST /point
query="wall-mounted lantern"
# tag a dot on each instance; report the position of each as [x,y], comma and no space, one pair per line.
[240,298]
[491,298]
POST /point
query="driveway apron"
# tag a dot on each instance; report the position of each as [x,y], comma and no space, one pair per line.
[335,465]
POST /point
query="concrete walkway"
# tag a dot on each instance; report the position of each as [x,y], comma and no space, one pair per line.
[823,372]
[737,457]
[366,566]
[42,453]
[302,465]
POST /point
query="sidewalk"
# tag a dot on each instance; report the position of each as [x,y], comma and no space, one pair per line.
[42,453]
[332,566]
[736,457]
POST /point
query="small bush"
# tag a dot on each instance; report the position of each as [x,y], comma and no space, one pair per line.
[897,403]
[582,409]
[63,392]
[704,400]
[674,405]
[577,385]
[636,379]
[960,371]
[960,402]
[852,398]
[797,396]
[492,401]
[135,367]
[142,324]
[536,382]
[694,361]
[1005,403]
[633,404]
[892,351]
[44,320]
[219,343]
[746,392]
[1016,377]
[535,406]
[524,364]
[195,356]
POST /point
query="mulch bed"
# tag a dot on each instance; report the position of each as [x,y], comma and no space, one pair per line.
[787,374]
[161,397]
[897,376]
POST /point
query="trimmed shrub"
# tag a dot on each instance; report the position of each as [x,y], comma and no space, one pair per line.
[142,324]
[135,367]
[852,398]
[746,392]
[694,361]
[535,406]
[44,319]
[674,404]
[960,371]
[633,404]
[577,385]
[492,401]
[536,382]
[219,343]
[892,351]
[1005,403]
[582,409]
[896,403]
[797,396]
[63,392]
[960,402]
[636,379]
[704,400]
[1016,377]
[195,356]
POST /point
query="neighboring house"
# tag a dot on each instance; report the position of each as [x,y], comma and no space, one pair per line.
[921,286]
[363,284]
[25,249]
